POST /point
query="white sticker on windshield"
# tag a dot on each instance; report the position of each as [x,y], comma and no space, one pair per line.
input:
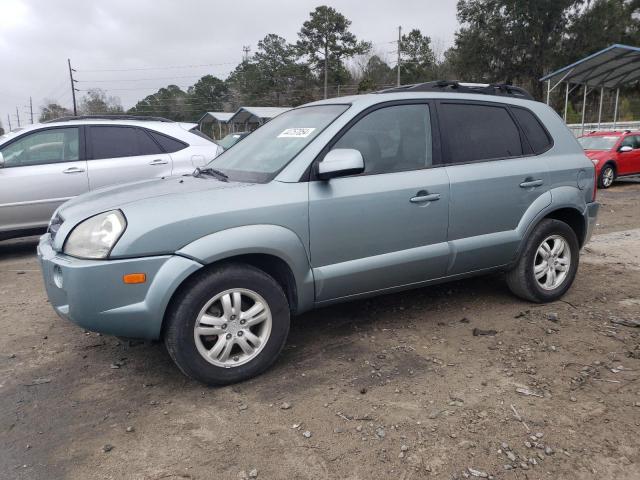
[296,132]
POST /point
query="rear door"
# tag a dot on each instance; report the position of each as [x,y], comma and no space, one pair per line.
[121,154]
[42,170]
[494,177]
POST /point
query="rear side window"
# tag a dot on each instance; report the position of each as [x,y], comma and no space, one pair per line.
[169,144]
[533,129]
[478,132]
[114,142]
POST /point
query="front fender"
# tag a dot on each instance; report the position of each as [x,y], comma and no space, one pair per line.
[258,239]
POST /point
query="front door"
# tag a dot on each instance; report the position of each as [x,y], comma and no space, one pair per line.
[629,162]
[387,227]
[42,170]
[122,154]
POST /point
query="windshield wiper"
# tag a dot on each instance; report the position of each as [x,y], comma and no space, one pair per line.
[211,171]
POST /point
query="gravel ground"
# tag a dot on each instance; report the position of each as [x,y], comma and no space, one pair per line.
[392,387]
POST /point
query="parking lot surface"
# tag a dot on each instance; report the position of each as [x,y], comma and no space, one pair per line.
[392,387]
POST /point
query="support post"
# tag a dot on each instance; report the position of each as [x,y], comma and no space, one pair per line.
[399,42]
[548,91]
[600,109]
[9,121]
[566,103]
[615,109]
[18,117]
[584,107]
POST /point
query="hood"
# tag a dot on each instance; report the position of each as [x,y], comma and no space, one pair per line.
[126,195]
[598,154]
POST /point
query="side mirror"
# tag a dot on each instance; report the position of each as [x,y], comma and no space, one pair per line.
[1,160]
[340,162]
[625,148]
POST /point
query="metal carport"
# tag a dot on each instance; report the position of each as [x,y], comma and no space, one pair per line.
[611,68]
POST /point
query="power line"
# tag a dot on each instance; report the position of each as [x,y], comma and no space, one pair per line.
[168,67]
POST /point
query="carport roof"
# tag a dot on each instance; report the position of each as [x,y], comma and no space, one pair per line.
[222,117]
[245,113]
[612,67]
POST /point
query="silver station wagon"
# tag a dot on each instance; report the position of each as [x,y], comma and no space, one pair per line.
[43,165]
[331,201]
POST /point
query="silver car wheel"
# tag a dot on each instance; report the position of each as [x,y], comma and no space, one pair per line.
[552,262]
[233,328]
[607,177]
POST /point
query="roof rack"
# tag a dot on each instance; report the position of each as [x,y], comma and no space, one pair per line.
[109,117]
[500,89]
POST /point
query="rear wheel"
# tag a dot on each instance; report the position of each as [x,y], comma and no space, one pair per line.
[607,176]
[548,264]
[227,325]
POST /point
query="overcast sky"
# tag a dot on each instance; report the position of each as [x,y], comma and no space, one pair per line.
[129,37]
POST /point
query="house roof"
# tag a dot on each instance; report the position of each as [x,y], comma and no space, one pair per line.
[612,67]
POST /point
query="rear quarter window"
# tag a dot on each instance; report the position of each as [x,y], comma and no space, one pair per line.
[538,137]
[168,144]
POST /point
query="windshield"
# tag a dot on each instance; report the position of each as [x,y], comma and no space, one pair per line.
[260,156]
[598,142]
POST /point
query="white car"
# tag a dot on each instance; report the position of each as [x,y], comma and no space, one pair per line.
[44,165]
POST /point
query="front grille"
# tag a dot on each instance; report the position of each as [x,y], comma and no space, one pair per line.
[54,225]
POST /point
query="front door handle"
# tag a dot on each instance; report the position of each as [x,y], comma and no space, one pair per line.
[158,161]
[73,170]
[423,197]
[531,183]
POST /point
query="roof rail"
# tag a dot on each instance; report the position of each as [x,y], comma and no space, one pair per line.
[109,117]
[500,89]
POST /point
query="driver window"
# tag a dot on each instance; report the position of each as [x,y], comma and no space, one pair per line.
[47,146]
[392,139]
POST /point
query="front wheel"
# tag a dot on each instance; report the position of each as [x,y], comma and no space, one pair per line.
[227,325]
[548,264]
[607,176]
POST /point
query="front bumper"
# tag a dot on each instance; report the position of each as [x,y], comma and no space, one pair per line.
[92,294]
[592,217]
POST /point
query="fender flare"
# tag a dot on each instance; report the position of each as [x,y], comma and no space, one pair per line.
[273,240]
[561,198]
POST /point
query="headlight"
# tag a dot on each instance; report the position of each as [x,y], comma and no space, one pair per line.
[96,236]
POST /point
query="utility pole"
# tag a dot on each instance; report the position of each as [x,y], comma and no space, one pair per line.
[326,56]
[18,117]
[9,121]
[31,109]
[246,49]
[399,42]
[73,88]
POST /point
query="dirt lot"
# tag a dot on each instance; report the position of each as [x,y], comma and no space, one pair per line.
[394,387]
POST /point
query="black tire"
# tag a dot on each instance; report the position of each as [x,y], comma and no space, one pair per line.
[521,279]
[603,181]
[193,296]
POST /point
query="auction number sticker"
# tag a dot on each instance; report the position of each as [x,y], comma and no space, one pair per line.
[296,132]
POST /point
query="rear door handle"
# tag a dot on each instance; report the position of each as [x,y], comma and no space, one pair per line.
[531,183]
[73,170]
[158,161]
[423,197]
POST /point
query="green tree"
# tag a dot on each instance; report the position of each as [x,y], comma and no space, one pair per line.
[169,102]
[209,93]
[375,74]
[284,77]
[325,40]
[247,85]
[510,40]
[96,102]
[51,110]
[418,62]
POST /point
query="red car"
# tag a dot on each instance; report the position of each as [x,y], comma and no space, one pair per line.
[615,154]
